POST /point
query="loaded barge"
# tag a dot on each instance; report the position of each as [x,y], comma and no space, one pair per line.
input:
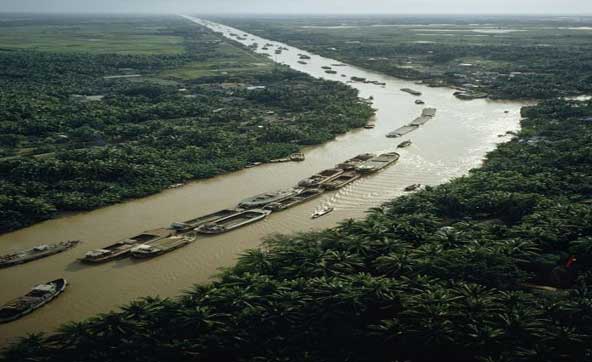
[39,296]
[352,162]
[35,253]
[342,180]
[123,247]
[304,196]
[193,223]
[162,246]
[426,115]
[233,222]
[259,201]
[321,178]
[378,163]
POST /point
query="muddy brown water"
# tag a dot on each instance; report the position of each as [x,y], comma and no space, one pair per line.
[447,146]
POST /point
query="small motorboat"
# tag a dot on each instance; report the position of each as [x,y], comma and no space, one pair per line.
[322,212]
[404,144]
[297,157]
[413,187]
[419,101]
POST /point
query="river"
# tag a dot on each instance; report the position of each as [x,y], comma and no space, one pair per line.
[455,141]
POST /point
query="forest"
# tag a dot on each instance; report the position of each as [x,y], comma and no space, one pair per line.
[87,127]
[493,266]
[503,57]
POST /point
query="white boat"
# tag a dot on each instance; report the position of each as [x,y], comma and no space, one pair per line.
[322,212]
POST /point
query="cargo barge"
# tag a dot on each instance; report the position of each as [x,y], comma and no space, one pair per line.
[193,223]
[39,296]
[304,196]
[411,91]
[259,201]
[123,247]
[233,222]
[162,246]
[342,180]
[352,162]
[321,178]
[401,131]
[38,252]
[378,163]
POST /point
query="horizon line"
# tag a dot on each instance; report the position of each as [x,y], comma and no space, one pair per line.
[291,14]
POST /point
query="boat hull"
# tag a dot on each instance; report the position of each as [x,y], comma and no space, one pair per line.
[163,249]
[122,248]
[61,286]
[294,201]
[59,248]
[226,224]
[194,223]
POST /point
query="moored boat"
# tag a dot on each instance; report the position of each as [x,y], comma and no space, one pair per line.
[161,246]
[297,157]
[261,200]
[352,162]
[370,126]
[36,298]
[123,247]
[253,164]
[233,222]
[302,62]
[38,252]
[198,221]
[404,144]
[321,177]
[378,163]
[304,196]
[419,101]
[342,180]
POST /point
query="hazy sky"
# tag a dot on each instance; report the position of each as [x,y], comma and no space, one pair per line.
[578,7]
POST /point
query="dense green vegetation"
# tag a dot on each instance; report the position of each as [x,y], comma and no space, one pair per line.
[522,57]
[446,274]
[493,266]
[74,137]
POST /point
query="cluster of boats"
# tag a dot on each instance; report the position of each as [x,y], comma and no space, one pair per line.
[159,241]
[156,242]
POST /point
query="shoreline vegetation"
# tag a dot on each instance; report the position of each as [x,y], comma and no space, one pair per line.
[84,126]
[514,58]
[492,266]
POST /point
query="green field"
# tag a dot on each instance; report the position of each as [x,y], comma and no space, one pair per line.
[92,38]
[229,59]
[515,58]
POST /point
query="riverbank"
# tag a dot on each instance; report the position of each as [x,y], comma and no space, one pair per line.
[504,58]
[453,261]
[445,148]
[92,138]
